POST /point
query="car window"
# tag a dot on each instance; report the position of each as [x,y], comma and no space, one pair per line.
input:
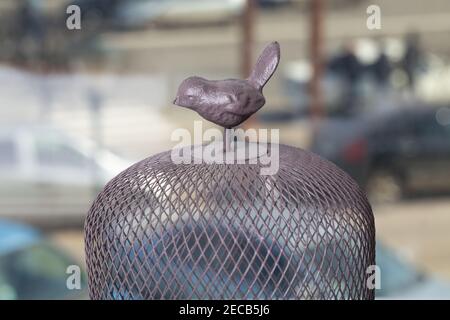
[37,272]
[55,153]
[428,127]
[8,154]
[392,127]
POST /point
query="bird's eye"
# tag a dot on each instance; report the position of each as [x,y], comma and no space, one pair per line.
[190,97]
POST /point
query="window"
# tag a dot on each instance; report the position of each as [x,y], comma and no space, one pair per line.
[8,155]
[54,153]
[428,127]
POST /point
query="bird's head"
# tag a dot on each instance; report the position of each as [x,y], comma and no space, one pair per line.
[190,92]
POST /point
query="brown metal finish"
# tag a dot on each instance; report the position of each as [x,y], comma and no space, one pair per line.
[316,56]
[230,102]
[216,231]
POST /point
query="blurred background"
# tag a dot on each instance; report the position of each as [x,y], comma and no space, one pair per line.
[78,106]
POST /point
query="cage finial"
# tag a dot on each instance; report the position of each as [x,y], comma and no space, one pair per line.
[230,102]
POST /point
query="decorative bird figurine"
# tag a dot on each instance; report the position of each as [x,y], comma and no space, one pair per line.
[230,102]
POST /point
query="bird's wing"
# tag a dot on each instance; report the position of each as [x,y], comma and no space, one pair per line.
[236,109]
[246,104]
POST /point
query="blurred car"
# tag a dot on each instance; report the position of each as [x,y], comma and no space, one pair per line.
[401,280]
[134,14]
[273,3]
[48,178]
[33,268]
[391,154]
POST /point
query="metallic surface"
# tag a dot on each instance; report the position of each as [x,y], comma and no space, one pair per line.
[230,102]
[217,231]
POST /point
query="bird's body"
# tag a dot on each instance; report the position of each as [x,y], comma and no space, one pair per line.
[229,102]
[224,102]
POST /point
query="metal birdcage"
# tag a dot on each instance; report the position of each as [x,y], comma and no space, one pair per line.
[197,230]
[201,231]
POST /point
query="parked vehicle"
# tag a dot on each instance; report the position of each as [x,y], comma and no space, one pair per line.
[134,14]
[274,3]
[402,280]
[392,154]
[33,268]
[48,178]
[399,279]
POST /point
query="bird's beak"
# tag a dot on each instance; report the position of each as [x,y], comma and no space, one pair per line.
[175,101]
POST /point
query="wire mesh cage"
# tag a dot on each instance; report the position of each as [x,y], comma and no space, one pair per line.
[219,230]
[161,230]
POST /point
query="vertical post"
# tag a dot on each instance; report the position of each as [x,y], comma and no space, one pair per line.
[248,25]
[46,99]
[248,21]
[95,105]
[316,25]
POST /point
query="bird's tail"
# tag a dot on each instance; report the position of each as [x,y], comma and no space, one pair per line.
[265,66]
